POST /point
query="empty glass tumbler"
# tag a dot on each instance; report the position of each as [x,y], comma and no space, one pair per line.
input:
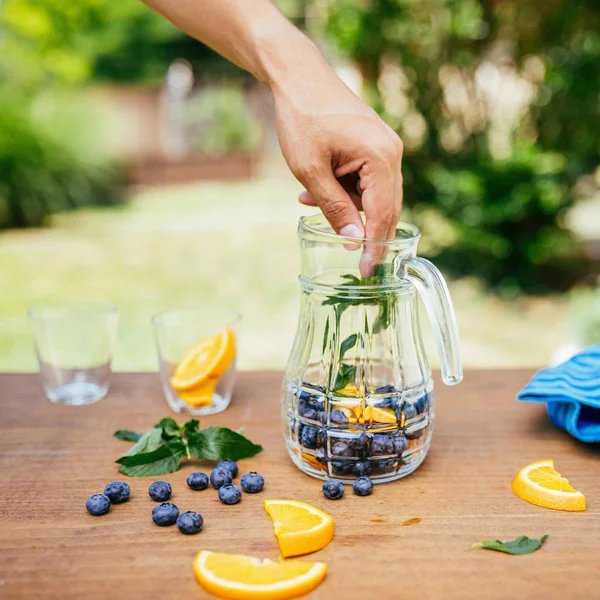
[358,393]
[74,344]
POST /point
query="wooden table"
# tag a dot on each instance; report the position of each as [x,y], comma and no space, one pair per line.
[52,458]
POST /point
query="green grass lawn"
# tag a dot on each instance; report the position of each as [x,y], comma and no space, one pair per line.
[226,244]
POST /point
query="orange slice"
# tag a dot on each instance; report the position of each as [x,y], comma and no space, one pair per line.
[200,396]
[379,415]
[300,528]
[541,484]
[209,358]
[246,578]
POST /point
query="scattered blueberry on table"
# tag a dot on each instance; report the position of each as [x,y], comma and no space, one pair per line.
[252,482]
[228,465]
[363,486]
[160,491]
[190,522]
[333,489]
[197,481]
[220,477]
[117,492]
[97,505]
[165,514]
[230,494]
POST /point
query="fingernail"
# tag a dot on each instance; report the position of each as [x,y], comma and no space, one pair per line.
[351,231]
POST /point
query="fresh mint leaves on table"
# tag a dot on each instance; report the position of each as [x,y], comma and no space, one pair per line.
[161,449]
[381,275]
[522,545]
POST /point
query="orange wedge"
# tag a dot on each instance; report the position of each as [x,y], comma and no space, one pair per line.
[200,396]
[379,415]
[541,484]
[300,528]
[246,578]
[209,358]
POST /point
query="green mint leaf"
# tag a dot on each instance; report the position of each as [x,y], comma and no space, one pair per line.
[220,443]
[348,344]
[168,427]
[149,441]
[191,426]
[128,436]
[161,461]
[352,279]
[240,430]
[346,373]
[522,545]
[325,335]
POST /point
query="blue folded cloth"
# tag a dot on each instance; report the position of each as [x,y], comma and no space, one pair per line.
[572,394]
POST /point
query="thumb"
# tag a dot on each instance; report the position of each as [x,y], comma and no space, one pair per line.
[336,204]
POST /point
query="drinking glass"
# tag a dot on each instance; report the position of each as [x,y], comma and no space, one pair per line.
[74,345]
[182,333]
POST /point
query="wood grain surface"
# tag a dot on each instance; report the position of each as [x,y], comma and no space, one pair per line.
[52,458]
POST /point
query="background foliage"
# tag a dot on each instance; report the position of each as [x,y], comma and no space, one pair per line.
[501,174]
[496,101]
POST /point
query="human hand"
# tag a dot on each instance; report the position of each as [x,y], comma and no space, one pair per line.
[333,142]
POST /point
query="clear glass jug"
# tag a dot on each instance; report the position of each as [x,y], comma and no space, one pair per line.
[358,394]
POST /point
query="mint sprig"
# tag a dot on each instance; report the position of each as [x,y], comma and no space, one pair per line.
[382,275]
[161,449]
[521,545]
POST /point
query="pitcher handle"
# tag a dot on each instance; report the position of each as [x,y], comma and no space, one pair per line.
[434,292]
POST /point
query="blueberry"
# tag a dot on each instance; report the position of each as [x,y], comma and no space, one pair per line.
[252,482]
[381,444]
[386,389]
[360,445]
[117,491]
[230,494]
[303,395]
[165,514]
[422,404]
[384,465]
[160,491]
[190,522]
[342,467]
[307,410]
[220,477]
[410,411]
[362,468]
[400,444]
[341,449]
[362,486]
[197,481]
[97,505]
[310,437]
[338,416]
[228,465]
[333,489]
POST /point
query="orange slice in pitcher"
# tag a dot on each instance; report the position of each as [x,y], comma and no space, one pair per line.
[246,578]
[209,358]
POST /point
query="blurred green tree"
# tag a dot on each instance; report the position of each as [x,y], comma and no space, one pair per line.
[96,40]
[497,103]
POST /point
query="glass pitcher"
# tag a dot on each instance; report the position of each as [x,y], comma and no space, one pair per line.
[357,393]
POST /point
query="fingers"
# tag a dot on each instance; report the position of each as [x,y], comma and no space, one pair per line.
[323,190]
[381,182]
